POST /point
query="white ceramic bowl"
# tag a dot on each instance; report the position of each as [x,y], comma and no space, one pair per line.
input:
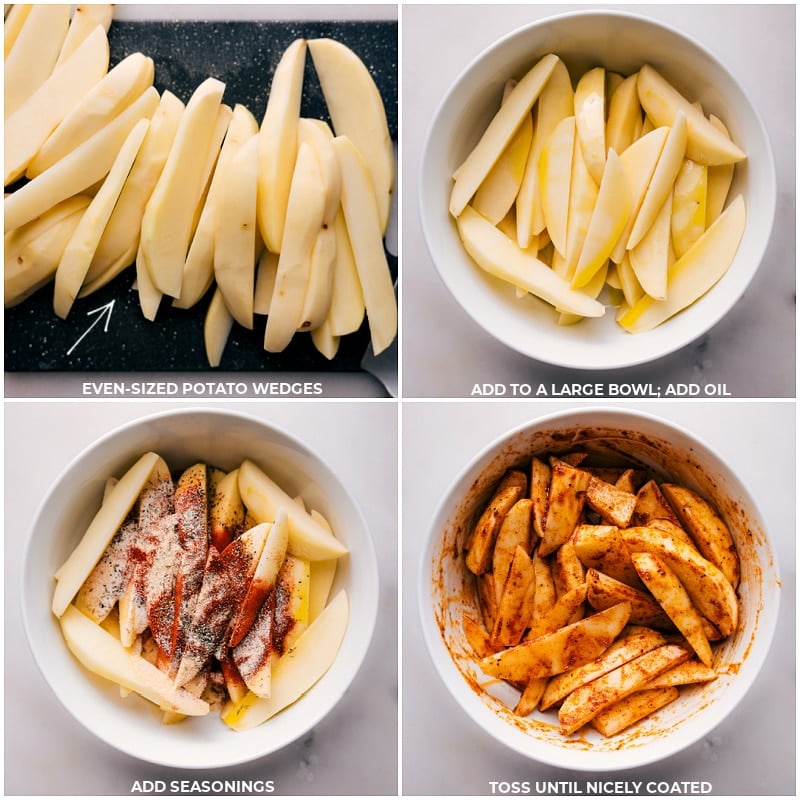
[224,439]
[446,591]
[621,42]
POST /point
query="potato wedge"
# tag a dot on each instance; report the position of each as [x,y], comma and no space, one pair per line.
[710,591]
[556,652]
[481,543]
[530,697]
[706,528]
[586,702]
[602,547]
[683,674]
[477,636]
[515,604]
[487,598]
[566,499]
[560,614]
[545,596]
[515,531]
[651,504]
[633,708]
[672,597]
[632,644]
[613,504]
[539,493]
[604,592]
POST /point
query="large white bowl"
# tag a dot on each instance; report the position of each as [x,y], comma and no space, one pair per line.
[224,439]
[621,42]
[447,590]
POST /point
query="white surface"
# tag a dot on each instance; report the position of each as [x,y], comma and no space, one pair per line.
[446,352]
[358,442]
[751,753]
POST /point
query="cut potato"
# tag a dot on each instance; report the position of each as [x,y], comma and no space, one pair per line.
[101,530]
[27,129]
[555,652]
[361,215]
[357,112]
[566,499]
[263,497]
[632,709]
[499,132]
[82,168]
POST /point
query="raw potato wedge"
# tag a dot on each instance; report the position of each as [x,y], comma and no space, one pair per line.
[710,591]
[706,528]
[104,525]
[479,640]
[198,270]
[632,644]
[235,233]
[105,100]
[662,103]
[82,168]
[499,132]
[77,256]
[632,709]
[357,112]
[545,596]
[590,120]
[119,243]
[560,613]
[672,597]
[298,670]
[586,702]
[302,222]
[168,219]
[27,129]
[347,299]
[217,327]
[278,148]
[498,255]
[361,215]
[86,19]
[35,52]
[35,264]
[512,487]
[556,652]
[263,498]
[651,504]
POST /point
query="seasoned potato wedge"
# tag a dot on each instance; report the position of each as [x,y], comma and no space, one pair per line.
[561,613]
[672,597]
[613,504]
[514,532]
[651,504]
[515,605]
[602,547]
[539,493]
[477,637]
[710,591]
[566,500]
[632,709]
[632,644]
[707,529]
[479,552]
[556,652]
[586,702]
[603,592]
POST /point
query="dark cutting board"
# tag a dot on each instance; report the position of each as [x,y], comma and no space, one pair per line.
[243,55]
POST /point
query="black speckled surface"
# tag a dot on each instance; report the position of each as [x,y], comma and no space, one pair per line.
[243,55]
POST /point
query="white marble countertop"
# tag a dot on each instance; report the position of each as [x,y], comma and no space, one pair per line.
[352,751]
[751,753]
[445,352]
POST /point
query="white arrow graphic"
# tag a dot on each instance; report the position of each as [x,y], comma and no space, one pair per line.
[101,312]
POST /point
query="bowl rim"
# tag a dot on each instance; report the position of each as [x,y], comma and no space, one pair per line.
[571,359]
[225,756]
[469,700]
